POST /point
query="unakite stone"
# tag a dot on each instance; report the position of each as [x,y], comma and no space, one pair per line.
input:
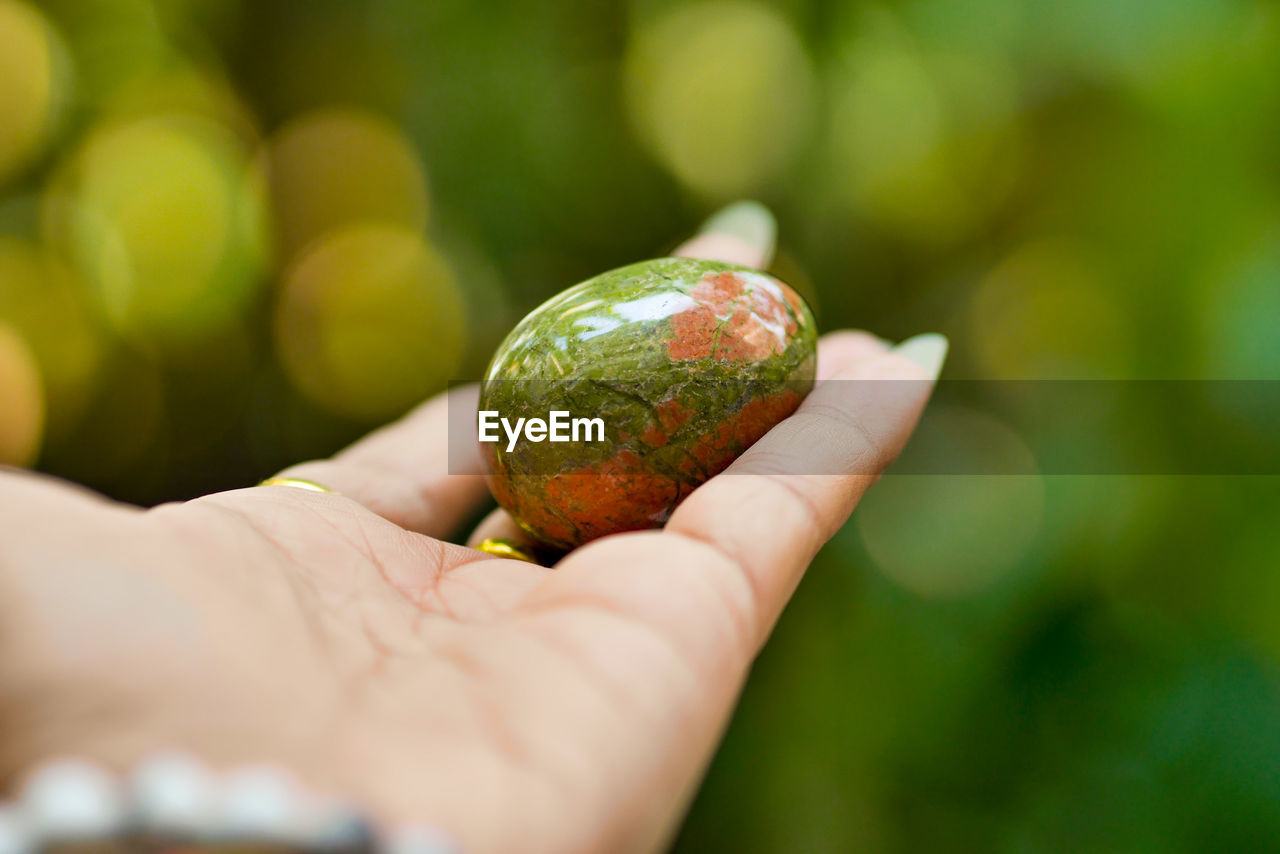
[687,363]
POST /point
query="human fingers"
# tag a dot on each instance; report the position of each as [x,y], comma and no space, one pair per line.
[742,233]
[404,472]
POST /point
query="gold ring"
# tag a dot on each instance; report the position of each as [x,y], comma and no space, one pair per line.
[298,483]
[501,547]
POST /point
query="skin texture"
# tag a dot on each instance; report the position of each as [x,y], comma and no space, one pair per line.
[688,362]
[515,707]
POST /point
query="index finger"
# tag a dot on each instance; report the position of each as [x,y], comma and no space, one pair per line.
[403,472]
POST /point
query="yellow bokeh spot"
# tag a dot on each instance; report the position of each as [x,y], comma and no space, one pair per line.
[948,535]
[370,321]
[32,84]
[187,89]
[41,297]
[335,167]
[22,399]
[1045,313]
[722,92]
[166,220]
[888,118]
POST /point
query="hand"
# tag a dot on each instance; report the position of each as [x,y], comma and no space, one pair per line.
[515,707]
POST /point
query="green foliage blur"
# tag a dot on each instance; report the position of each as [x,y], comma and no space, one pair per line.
[237,234]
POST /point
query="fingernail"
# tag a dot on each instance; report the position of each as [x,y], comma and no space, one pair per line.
[928,351]
[748,221]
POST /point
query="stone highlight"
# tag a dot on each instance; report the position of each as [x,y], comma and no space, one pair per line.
[688,362]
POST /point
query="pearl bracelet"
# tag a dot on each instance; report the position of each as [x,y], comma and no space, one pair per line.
[174,803]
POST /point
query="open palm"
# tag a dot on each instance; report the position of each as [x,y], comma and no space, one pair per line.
[513,706]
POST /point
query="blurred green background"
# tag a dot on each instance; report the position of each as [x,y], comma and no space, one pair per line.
[238,234]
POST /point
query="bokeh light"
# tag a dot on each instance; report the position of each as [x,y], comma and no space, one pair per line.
[34,84]
[1049,312]
[956,533]
[924,144]
[721,91]
[166,220]
[370,321]
[185,89]
[22,415]
[338,166]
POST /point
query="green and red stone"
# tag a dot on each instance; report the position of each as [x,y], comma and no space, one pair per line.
[688,363]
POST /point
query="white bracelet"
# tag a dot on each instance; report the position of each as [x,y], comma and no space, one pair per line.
[173,801]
